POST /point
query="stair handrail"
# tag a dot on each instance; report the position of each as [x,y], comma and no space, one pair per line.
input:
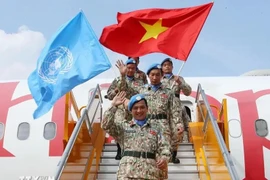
[97,146]
[226,156]
[223,115]
[75,132]
[205,164]
[96,152]
[75,105]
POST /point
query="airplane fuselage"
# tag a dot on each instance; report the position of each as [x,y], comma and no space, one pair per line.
[26,149]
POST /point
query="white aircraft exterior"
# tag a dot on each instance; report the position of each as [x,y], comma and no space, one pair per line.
[31,147]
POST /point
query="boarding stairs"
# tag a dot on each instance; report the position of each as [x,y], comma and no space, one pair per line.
[186,170]
[201,159]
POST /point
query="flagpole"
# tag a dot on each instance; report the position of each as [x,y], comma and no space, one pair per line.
[178,74]
[115,74]
[181,68]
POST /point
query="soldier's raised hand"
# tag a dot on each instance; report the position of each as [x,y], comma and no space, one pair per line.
[122,67]
[119,98]
[177,80]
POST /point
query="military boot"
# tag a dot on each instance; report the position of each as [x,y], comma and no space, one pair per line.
[118,155]
[174,159]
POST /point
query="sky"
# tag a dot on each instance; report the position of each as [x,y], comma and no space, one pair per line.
[235,38]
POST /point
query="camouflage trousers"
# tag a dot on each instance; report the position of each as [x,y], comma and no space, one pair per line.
[137,168]
[186,120]
[165,126]
[163,173]
[176,138]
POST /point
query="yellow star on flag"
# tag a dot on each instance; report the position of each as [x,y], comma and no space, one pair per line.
[152,31]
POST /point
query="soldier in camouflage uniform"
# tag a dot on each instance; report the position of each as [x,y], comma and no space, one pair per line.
[179,85]
[186,120]
[113,90]
[146,152]
[162,105]
[139,74]
[130,79]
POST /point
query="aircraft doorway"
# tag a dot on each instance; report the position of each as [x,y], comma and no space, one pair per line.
[189,109]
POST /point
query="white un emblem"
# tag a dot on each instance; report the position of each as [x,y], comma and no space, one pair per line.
[57,61]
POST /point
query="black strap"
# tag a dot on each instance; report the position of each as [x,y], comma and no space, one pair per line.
[157,116]
[138,154]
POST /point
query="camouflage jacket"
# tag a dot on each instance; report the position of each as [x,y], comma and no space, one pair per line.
[184,87]
[116,83]
[148,138]
[160,102]
[121,113]
[141,75]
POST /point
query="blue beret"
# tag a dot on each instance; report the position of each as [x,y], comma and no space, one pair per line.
[165,60]
[134,99]
[130,61]
[153,66]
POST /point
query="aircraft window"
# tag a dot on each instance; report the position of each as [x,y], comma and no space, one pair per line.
[2,130]
[23,131]
[261,127]
[49,130]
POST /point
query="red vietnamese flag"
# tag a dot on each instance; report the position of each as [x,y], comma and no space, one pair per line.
[169,31]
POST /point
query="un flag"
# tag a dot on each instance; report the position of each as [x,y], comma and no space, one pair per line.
[72,57]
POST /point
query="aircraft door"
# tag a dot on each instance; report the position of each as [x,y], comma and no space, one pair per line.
[189,109]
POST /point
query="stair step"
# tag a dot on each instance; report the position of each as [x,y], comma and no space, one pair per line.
[184,149]
[186,170]
[75,176]
[114,150]
[112,154]
[110,176]
[111,160]
[171,176]
[213,167]
[112,146]
[182,146]
[80,168]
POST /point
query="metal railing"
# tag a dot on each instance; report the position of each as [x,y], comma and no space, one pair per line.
[209,119]
[223,117]
[88,119]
